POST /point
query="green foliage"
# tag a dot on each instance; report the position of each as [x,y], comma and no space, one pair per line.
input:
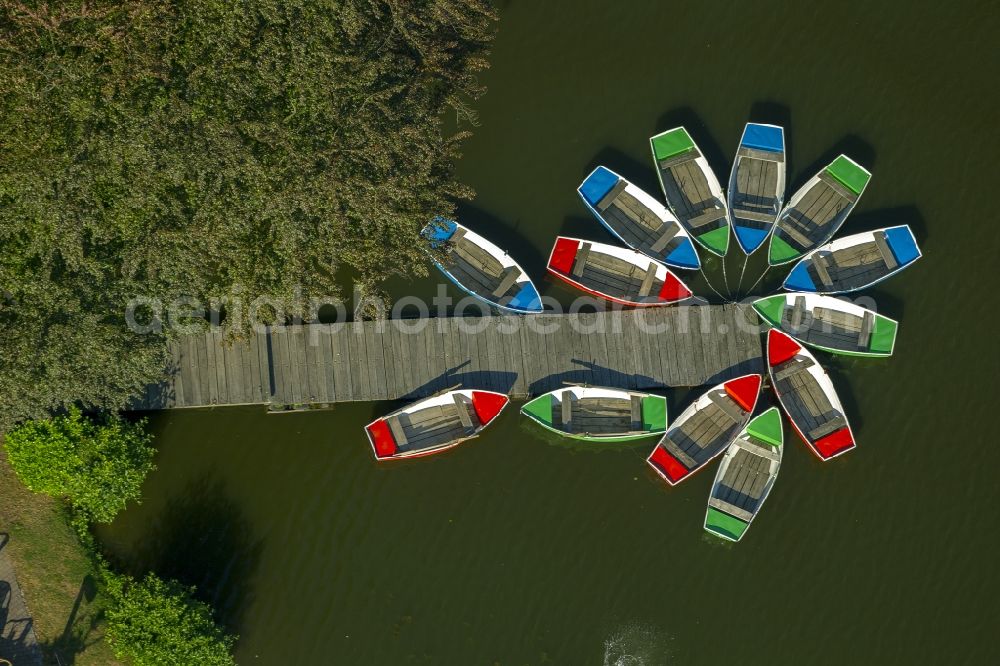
[153,622]
[205,148]
[97,467]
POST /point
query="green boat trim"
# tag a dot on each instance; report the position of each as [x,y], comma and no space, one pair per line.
[849,173]
[780,252]
[881,344]
[724,525]
[670,143]
[716,240]
[767,427]
[654,418]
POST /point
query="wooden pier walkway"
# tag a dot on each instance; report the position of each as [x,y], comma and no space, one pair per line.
[317,364]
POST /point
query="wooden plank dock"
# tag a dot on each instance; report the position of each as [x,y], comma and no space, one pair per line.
[318,364]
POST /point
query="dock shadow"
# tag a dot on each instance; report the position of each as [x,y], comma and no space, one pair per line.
[202,538]
[593,374]
[501,381]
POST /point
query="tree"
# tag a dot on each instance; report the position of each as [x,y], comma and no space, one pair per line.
[153,622]
[204,148]
[96,466]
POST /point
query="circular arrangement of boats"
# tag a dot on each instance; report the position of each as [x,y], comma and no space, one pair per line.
[721,422]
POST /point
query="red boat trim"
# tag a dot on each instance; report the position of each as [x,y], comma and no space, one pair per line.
[834,443]
[744,390]
[563,254]
[487,405]
[780,347]
[668,466]
[673,289]
[382,440]
[599,294]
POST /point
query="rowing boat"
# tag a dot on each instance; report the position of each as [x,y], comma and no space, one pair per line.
[757,184]
[598,414]
[829,323]
[808,397]
[637,219]
[617,274]
[705,429]
[854,262]
[434,424]
[481,269]
[745,477]
[817,210]
[691,189]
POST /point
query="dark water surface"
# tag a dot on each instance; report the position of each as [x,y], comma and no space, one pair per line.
[515,549]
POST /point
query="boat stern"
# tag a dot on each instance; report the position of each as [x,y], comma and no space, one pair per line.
[750,238]
[834,444]
[439,231]
[799,279]
[770,309]
[539,409]
[673,290]
[850,174]
[381,439]
[654,414]
[670,468]
[903,244]
[487,405]
[684,256]
[780,347]
[722,524]
[744,391]
[600,181]
[526,300]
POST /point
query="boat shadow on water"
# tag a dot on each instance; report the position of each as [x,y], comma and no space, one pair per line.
[720,160]
[201,538]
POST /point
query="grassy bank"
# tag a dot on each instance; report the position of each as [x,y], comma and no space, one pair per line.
[55,574]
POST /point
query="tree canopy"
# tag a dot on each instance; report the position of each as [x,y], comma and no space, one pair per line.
[204,147]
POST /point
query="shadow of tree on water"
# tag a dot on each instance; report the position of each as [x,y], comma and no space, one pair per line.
[203,539]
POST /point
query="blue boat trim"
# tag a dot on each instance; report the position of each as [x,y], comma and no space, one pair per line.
[684,256]
[539,308]
[763,137]
[799,280]
[751,238]
[527,299]
[437,235]
[598,183]
[903,244]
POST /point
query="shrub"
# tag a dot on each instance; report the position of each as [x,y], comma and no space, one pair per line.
[153,622]
[96,466]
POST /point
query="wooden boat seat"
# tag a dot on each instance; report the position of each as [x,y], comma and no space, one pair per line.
[665,237]
[647,281]
[768,452]
[612,194]
[581,259]
[824,429]
[396,428]
[883,248]
[677,452]
[867,326]
[753,215]
[791,367]
[731,509]
[636,405]
[796,235]
[819,263]
[707,216]
[677,160]
[844,320]
[798,311]
[463,411]
[510,275]
[766,155]
[567,408]
[837,186]
[726,404]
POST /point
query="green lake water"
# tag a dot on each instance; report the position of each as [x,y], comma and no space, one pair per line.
[516,549]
